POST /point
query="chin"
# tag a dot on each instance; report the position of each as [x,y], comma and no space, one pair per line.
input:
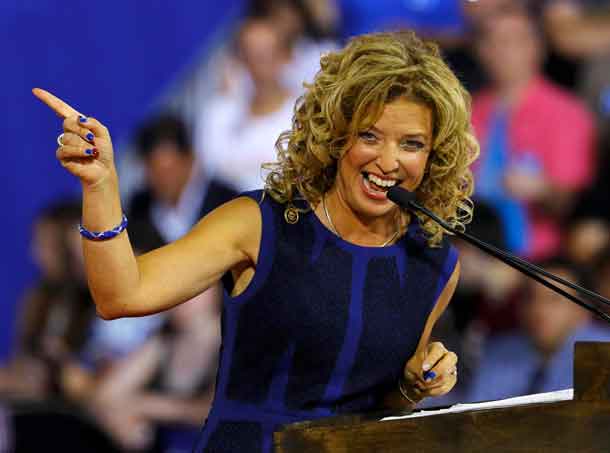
[373,208]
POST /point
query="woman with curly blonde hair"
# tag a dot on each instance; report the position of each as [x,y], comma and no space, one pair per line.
[331,291]
[347,98]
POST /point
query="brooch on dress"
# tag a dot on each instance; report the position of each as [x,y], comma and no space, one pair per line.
[291,214]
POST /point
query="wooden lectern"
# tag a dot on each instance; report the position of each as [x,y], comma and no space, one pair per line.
[580,425]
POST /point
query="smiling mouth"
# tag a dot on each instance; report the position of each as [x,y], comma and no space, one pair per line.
[378,184]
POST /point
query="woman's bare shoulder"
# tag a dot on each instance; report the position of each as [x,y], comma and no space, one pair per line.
[238,222]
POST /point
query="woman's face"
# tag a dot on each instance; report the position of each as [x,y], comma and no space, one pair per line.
[394,151]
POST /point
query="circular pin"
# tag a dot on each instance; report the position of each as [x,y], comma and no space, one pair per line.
[291,214]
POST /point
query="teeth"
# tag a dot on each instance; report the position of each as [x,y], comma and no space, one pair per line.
[381,182]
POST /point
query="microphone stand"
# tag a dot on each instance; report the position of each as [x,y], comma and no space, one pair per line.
[406,199]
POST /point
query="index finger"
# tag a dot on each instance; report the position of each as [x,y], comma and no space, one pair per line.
[57,105]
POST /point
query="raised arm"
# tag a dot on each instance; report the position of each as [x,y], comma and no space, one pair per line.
[120,283]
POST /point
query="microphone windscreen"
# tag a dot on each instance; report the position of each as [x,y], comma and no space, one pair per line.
[402,197]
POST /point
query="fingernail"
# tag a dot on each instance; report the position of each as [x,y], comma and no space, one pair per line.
[89,152]
[90,136]
[425,366]
[429,375]
[82,119]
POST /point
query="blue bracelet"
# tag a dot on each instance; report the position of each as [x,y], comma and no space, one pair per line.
[103,235]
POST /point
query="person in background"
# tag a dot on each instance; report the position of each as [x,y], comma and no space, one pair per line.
[308,36]
[55,313]
[237,131]
[462,53]
[223,84]
[54,318]
[538,357]
[537,140]
[177,191]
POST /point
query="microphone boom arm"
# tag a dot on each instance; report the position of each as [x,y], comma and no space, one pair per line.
[406,199]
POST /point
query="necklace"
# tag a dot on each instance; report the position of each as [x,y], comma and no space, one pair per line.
[334,229]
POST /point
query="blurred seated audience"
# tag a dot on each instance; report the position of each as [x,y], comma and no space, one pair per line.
[537,140]
[539,356]
[237,132]
[55,313]
[54,317]
[156,397]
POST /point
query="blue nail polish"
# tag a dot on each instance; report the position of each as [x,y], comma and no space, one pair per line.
[82,119]
[90,136]
[89,152]
[429,375]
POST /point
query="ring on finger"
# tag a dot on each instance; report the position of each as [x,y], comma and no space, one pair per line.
[59,137]
[453,372]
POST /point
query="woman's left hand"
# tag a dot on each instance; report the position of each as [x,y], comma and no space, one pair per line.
[432,373]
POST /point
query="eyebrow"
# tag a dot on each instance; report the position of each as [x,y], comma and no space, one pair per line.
[421,135]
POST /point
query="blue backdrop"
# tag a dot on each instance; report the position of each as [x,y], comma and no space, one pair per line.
[111,59]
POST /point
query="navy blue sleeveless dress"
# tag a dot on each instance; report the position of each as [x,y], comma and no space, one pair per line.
[325,327]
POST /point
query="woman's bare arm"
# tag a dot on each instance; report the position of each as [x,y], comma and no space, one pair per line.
[175,273]
[120,283]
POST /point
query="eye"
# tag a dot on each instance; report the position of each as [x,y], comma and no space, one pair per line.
[413,145]
[368,137]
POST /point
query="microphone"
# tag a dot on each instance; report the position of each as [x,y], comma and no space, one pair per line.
[402,197]
[408,200]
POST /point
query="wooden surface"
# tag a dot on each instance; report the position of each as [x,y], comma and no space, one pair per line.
[579,426]
[592,371]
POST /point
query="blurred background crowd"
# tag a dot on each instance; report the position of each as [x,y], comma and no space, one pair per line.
[539,74]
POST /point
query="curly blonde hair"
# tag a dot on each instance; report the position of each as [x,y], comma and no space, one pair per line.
[348,96]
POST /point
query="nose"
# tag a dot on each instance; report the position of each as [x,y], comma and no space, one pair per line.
[387,160]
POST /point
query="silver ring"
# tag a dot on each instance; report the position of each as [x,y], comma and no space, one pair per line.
[59,137]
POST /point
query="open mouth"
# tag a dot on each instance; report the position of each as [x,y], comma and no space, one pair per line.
[377,184]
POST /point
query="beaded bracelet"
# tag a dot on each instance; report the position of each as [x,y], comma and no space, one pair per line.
[103,235]
[403,392]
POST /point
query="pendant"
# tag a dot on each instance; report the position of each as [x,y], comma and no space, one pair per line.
[291,214]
